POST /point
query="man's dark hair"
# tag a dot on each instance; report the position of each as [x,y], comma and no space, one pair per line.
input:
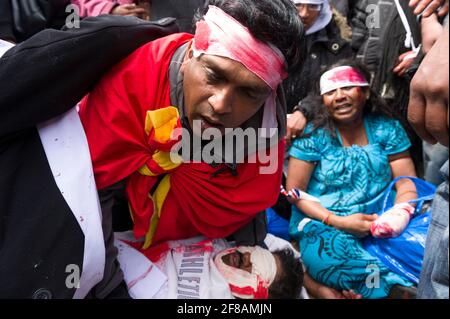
[374,105]
[288,283]
[270,21]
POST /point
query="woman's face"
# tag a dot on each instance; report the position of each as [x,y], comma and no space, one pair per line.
[346,105]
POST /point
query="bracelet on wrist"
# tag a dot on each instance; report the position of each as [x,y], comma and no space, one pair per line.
[326,220]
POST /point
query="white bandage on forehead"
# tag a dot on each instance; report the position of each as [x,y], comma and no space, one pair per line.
[340,77]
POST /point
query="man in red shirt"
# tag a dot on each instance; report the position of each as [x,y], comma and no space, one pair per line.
[226,76]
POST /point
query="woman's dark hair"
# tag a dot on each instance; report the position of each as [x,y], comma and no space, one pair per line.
[289,281]
[270,21]
[374,105]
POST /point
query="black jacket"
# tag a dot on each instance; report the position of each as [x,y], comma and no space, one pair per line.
[6,22]
[367,39]
[27,17]
[182,10]
[323,48]
[40,79]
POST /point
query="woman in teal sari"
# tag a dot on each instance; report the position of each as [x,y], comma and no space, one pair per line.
[346,158]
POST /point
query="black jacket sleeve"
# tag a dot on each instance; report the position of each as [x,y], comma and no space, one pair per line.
[308,106]
[253,233]
[357,21]
[6,21]
[49,73]
[182,10]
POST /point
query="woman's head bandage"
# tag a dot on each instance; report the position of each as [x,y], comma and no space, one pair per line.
[245,285]
[343,76]
[222,35]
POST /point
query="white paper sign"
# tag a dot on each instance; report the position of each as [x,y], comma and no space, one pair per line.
[4,46]
[143,278]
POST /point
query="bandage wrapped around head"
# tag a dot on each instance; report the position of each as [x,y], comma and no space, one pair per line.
[393,222]
[245,285]
[340,77]
[221,35]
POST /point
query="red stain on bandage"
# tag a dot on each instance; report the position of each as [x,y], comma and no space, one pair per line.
[202,36]
[347,75]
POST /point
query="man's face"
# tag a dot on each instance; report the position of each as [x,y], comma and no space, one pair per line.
[220,92]
[238,260]
[308,13]
[241,259]
[244,267]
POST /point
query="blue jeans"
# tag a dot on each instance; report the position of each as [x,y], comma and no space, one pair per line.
[434,156]
[433,282]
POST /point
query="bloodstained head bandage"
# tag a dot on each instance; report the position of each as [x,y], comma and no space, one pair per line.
[245,285]
[340,77]
[222,35]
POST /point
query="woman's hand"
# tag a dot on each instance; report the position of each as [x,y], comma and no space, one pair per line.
[356,224]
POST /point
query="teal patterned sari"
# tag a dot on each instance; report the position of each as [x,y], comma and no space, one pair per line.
[347,180]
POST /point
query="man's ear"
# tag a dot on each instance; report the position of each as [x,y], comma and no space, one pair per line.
[187,57]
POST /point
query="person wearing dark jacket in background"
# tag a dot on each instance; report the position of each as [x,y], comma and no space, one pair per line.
[324,46]
[22,19]
[182,10]
[367,19]
[54,242]
[400,55]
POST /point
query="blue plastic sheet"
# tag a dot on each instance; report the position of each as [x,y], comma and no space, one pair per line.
[277,225]
[404,254]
